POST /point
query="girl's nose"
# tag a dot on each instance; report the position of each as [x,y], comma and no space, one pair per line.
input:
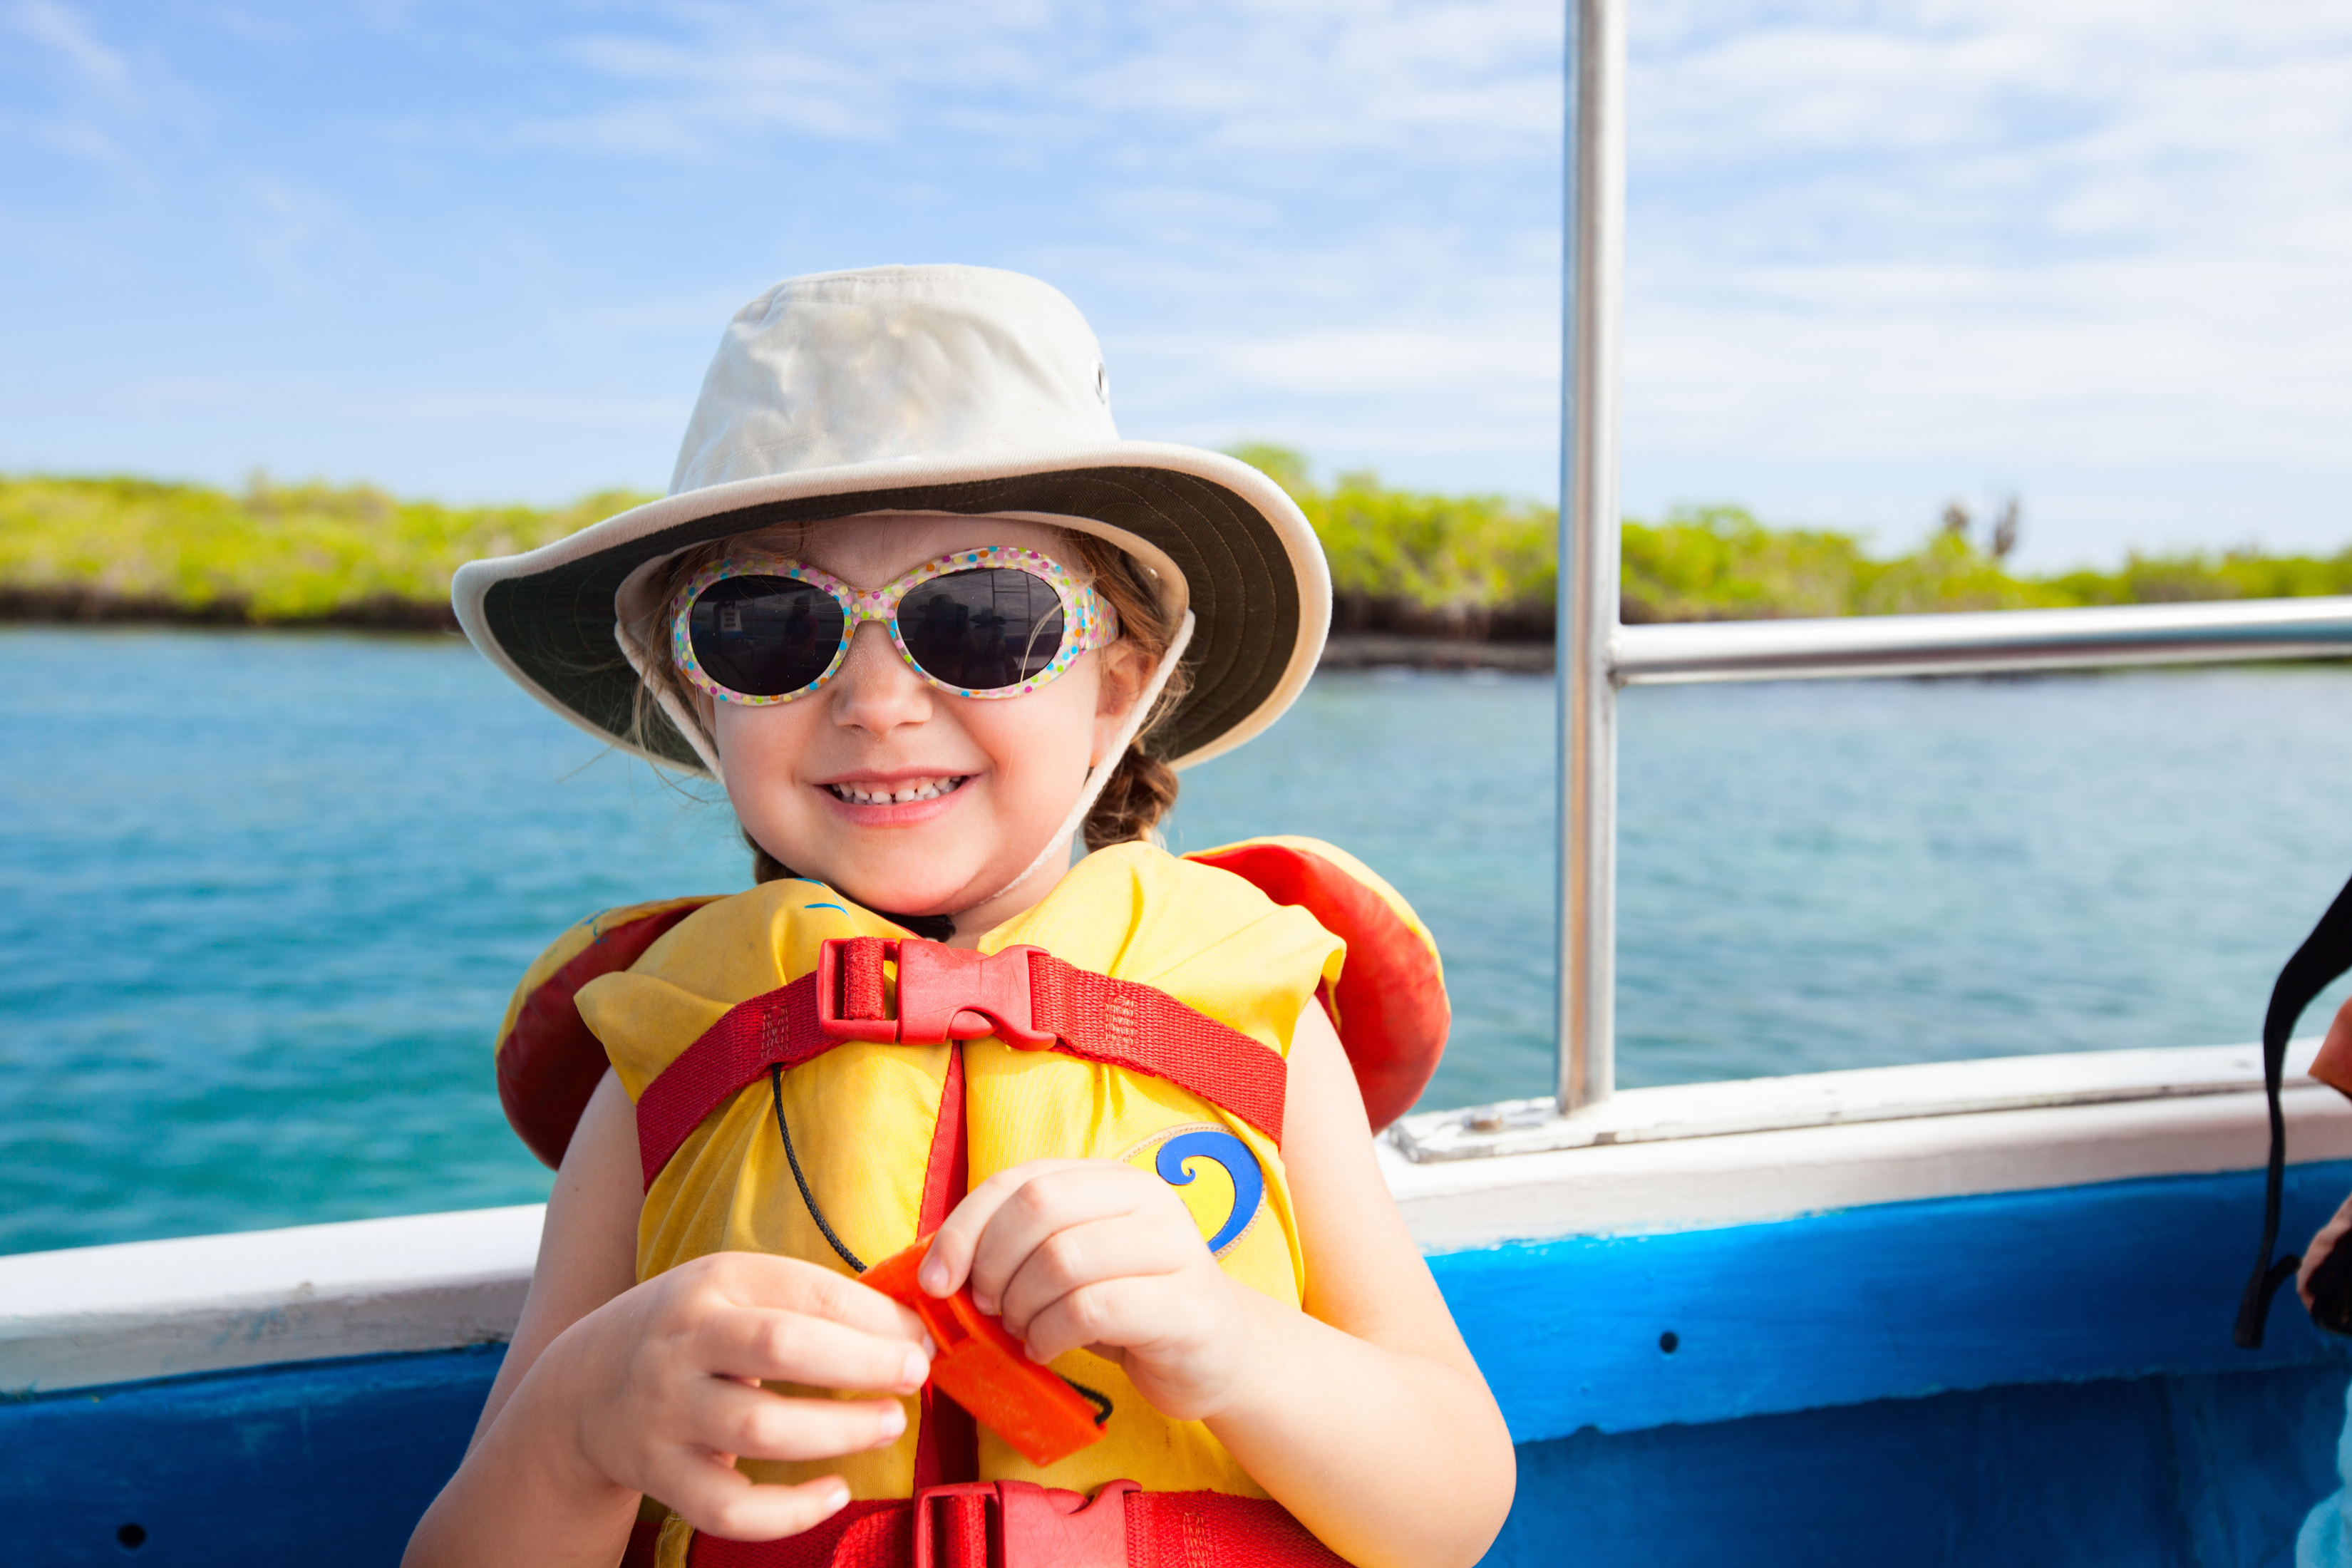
[876,691]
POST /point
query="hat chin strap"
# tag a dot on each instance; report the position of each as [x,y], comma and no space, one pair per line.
[1100,774]
[682,718]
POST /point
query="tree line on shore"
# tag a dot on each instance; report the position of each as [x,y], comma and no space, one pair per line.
[1402,562]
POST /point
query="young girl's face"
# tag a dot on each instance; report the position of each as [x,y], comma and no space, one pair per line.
[905,798]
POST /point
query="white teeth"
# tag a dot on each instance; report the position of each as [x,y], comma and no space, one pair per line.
[905,795]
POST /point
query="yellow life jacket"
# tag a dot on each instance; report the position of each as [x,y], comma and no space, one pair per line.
[869,1121]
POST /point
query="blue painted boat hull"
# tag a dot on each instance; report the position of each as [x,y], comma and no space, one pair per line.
[2024,1378]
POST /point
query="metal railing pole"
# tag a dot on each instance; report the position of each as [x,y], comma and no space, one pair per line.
[1588,553]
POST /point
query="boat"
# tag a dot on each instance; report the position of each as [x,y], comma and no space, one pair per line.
[1967,1312]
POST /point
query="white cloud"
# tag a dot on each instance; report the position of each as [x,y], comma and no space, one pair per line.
[426,406]
[2082,240]
[1451,83]
[65,33]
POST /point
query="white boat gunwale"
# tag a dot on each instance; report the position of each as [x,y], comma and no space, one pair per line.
[133,1311]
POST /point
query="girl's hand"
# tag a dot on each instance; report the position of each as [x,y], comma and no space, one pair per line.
[1099,1254]
[660,1387]
[2330,1237]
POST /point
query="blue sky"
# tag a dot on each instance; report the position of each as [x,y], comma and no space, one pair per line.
[1881,255]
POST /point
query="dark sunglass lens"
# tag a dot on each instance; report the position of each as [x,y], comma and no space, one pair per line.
[764,636]
[983,630]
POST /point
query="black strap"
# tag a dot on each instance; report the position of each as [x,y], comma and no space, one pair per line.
[2326,953]
[776,1083]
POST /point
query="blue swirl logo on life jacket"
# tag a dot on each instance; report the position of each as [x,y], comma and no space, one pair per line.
[1173,1163]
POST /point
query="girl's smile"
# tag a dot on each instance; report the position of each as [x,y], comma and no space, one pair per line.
[881,802]
[900,791]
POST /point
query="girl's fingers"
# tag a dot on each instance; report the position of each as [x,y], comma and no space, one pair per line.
[752,1423]
[1124,1246]
[796,1347]
[949,1263]
[1129,1313]
[789,1284]
[2330,1237]
[1046,1205]
[719,1500]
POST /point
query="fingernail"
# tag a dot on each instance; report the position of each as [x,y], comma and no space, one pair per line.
[894,1422]
[836,1500]
[932,1277]
[917,1370]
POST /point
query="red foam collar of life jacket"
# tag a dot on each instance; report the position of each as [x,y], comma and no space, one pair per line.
[1389,1007]
[1390,1004]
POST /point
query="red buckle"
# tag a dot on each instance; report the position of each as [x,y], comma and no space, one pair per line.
[944,993]
[1019,1524]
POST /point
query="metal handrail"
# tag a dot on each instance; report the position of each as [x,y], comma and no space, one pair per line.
[1982,643]
[1598,655]
[1588,555]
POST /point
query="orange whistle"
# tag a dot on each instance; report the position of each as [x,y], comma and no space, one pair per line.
[986,1371]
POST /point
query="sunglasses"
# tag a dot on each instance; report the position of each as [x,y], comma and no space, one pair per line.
[761,629]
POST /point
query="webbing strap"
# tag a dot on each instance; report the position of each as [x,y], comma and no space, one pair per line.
[1143,1029]
[2326,953]
[777,1027]
[946,1439]
[1217,1529]
[1119,1023]
[1014,1524]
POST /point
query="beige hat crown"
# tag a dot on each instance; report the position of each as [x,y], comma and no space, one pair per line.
[894,363]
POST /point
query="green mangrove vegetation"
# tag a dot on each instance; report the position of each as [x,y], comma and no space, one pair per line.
[1402,560]
[1405,560]
[117,548]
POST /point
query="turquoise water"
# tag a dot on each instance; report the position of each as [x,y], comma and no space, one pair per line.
[263,896]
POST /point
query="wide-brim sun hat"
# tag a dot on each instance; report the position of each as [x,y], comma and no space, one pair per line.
[948,390]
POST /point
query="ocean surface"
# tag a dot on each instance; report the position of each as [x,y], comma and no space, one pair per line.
[263,896]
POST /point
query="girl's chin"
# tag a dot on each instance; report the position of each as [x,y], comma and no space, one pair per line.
[923,890]
[910,889]
[902,900]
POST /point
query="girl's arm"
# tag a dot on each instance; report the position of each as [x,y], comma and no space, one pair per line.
[612,1390]
[1363,1414]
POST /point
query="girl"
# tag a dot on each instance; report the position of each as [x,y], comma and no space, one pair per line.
[1132,1127]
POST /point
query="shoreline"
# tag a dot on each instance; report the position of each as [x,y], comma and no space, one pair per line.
[1357,650]
[84,605]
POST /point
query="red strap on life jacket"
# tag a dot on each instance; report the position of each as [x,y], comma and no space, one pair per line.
[1024,996]
[1017,1524]
[779,1027]
[946,1439]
